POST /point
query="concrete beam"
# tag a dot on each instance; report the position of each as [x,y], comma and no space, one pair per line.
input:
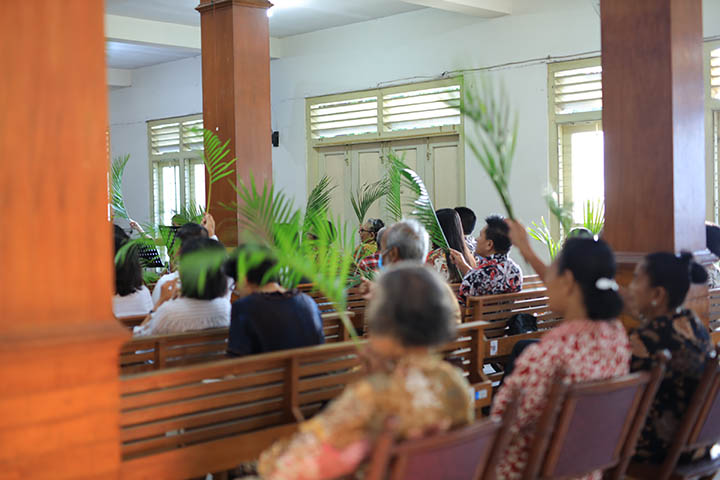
[119,77]
[138,30]
[479,8]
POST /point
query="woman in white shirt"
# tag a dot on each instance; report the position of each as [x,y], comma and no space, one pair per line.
[132,297]
[185,305]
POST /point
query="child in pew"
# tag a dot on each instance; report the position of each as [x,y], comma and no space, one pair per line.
[591,344]
[132,297]
[271,318]
[187,306]
[409,315]
[655,295]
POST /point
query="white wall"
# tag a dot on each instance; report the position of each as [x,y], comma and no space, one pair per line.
[166,90]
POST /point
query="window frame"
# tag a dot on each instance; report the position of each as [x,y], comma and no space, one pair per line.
[182,157]
[712,135]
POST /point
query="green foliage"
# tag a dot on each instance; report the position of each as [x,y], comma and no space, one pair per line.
[594,216]
[117,170]
[269,220]
[542,234]
[318,202]
[563,213]
[214,154]
[368,194]
[191,213]
[495,135]
[150,277]
[393,199]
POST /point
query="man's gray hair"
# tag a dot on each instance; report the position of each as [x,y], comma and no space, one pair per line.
[410,238]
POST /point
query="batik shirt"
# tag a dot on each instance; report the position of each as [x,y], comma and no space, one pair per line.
[688,341]
[438,260]
[714,276]
[364,249]
[588,350]
[371,263]
[494,275]
[420,392]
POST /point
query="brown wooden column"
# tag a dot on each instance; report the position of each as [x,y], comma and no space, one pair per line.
[236,94]
[59,405]
[653,121]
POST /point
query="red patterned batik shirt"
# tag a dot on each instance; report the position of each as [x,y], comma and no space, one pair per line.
[494,275]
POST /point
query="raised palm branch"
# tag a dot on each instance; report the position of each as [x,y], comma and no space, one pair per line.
[214,154]
[366,196]
[117,170]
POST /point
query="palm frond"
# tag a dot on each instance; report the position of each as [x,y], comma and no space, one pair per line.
[318,202]
[594,216]
[563,213]
[495,135]
[214,155]
[368,194]
[117,201]
[393,195]
[542,234]
[190,213]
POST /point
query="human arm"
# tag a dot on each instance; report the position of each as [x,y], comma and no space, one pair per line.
[208,222]
[460,262]
[519,237]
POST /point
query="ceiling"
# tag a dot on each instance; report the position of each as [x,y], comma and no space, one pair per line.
[290,17]
[132,55]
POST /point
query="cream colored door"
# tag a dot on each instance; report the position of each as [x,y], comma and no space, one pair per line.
[334,162]
[368,167]
[447,188]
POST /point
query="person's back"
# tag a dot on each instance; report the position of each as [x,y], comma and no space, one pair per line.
[266,322]
[132,297]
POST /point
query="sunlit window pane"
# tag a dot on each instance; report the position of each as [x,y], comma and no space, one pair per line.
[170,175]
[588,177]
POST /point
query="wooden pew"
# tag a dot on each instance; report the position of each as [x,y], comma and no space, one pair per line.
[131,322]
[166,351]
[185,422]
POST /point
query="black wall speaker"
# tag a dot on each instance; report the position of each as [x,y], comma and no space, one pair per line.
[276,138]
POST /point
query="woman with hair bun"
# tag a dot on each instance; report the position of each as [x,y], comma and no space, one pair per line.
[657,291]
[590,344]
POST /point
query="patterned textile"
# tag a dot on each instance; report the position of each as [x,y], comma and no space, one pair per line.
[494,275]
[714,276]
[589,350]
[688,341]
[370,263]
[364,249]
[471,243]
[421,392]
[437,259]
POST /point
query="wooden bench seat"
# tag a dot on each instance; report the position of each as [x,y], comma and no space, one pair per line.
[166,351]
[188,421]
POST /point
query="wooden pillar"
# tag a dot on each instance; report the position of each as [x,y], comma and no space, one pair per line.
[236,95]
[653,122]
[59,407]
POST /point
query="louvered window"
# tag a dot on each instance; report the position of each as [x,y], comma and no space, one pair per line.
[715,73]
[404,111]
[178,172]
[577,90]
[432,107]
[348,117]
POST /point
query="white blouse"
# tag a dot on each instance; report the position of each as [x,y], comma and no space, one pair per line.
[186,314]
[133,305]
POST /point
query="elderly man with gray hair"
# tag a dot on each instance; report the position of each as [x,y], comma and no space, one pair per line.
[407,241]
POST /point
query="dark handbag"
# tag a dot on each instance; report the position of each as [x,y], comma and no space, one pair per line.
[521,323]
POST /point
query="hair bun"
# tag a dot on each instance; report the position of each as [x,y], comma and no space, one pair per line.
[698,274]
[685,257]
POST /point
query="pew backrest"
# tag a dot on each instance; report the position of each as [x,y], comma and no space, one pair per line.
[131,322]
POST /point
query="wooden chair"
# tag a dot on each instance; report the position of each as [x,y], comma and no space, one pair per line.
[467,453]
[700,428]
[131,322]
[593,425]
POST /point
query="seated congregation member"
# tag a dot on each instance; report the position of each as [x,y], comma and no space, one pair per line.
[712,240]
[452,229]
[368,238]
[132,297]
[184,305]
[409,315]
[468,219]
[656,294]
[271,318]
[495,272]
[590,344]
[371,263]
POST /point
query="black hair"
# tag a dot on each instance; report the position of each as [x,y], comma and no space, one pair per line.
[590,260]
[210,264]
[583,232]
[413,306]
[452,229]
[468,219]
[128,273]
[499,232]
[674,273]
[191,230]
[256,274]
[375,225]
[712,238]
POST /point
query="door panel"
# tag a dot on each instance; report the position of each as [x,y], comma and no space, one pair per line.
[334,164]
[370,168]
[447,176]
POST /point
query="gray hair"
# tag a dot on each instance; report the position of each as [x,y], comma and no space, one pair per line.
[413,306]
[410,238]
[378,235]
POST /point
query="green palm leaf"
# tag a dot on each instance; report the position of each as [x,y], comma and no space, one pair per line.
[393,196]
[542,234]
[594,216]
[368,194]
[214,155]
[563,213]
[318,202]
[494,138]
[117,201]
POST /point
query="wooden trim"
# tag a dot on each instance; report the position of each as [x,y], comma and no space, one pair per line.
[218,4]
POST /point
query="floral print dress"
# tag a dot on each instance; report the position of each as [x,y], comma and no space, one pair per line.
[420,392]
[589,350]
[688,341]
